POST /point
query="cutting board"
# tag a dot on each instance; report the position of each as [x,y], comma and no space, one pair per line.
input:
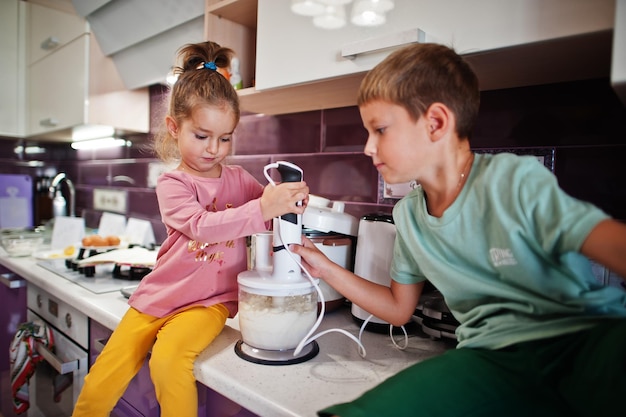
[16,201]
[136,256]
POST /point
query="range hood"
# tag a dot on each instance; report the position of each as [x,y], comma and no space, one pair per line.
[142,36]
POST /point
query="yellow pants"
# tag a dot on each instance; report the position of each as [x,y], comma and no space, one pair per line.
[176,341]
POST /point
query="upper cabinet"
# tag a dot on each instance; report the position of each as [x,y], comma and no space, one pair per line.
[49,30]
[233,23]
[309,53]
[57,57]
[11,70]
[301,67]
[70,83]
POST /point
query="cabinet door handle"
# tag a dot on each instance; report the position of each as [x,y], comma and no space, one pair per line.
[351,50]
[49,122]
[12,281]
[59,365]
[99,344]
[50,43]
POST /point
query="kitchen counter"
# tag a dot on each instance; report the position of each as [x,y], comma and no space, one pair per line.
[337,374]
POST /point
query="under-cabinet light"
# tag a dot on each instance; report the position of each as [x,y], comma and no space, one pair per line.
[87,132]
[101,143]
[29,149]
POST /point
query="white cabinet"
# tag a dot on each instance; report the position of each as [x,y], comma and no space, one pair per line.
[11,71]
[510,44]
[70,83]
[58,86]
[291,50]
[49,30]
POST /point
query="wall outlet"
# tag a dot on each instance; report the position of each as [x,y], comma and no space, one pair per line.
[110,200]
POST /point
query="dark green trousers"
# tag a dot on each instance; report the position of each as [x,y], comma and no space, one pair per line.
[579,374]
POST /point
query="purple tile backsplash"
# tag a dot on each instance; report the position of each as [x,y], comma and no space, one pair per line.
[584,121]
[291,133]
[344,130]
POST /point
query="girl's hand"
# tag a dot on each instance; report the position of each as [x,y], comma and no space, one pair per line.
[283,198]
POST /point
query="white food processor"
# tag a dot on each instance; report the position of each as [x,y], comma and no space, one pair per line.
[277,304]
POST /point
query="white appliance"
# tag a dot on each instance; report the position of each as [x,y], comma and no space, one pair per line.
[333,232]
[278,305]
[374,251]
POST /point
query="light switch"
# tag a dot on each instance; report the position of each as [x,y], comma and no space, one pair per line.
[110,200]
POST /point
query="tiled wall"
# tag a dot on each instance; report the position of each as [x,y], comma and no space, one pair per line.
[584,121]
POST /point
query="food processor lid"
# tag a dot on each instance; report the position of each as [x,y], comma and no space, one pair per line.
[262,282]
[326,216]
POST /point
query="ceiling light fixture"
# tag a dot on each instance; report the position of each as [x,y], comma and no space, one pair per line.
[330,14]
[307,7]
[334,17]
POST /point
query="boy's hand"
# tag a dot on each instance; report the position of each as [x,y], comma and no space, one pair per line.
[284,198]
[313,259]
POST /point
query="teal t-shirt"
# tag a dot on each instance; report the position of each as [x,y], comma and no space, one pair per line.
[505,255]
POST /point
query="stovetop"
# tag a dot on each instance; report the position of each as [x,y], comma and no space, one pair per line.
[102,280]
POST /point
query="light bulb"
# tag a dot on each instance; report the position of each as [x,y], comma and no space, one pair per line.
[365,13]
[381,6]
[335,2]
[334,17]
[100,143]
[307,7]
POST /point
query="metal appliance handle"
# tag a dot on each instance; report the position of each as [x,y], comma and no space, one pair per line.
[394,40]
[98,344]
[12,281]
[58,364]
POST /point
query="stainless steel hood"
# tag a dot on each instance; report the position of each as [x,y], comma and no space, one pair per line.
[142,36]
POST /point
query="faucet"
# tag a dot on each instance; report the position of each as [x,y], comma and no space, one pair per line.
[56,183]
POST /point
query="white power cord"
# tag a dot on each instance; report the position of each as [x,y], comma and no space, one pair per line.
[308,338]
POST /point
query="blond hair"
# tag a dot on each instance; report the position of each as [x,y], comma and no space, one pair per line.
[199,83]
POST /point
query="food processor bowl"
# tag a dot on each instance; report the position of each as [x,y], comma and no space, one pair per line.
[276,318]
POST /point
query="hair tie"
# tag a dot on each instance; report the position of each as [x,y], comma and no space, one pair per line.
[210,65]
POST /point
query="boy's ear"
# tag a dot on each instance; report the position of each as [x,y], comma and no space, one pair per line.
[439,120]
[172,126]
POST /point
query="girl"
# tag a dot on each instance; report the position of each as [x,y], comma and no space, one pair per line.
[208,209]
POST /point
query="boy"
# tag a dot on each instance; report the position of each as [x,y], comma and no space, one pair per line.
[539,336]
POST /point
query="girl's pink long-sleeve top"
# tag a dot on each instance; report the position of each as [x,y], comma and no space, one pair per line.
[207,221]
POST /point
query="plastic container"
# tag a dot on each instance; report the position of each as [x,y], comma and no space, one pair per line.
[276,319]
